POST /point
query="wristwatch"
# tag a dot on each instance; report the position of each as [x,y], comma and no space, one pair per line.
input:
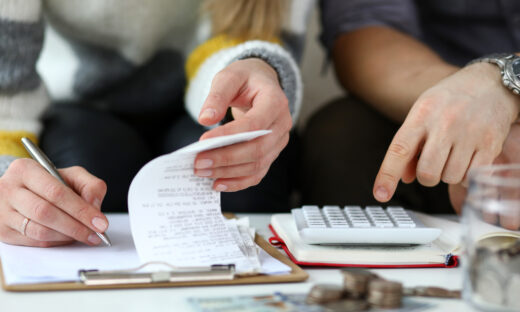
[509,65]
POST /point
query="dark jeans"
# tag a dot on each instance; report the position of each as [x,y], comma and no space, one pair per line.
[114,147]
[343,147]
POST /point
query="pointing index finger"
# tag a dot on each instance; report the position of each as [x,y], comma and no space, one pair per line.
[400,153]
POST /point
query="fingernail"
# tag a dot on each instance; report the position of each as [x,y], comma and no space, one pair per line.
[381,193]
[204,173]
[220,188]
[97,203]
[208,113]
[94,239]
[203,163]
[100,224]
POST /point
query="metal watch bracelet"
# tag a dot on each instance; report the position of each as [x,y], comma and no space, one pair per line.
[505,62]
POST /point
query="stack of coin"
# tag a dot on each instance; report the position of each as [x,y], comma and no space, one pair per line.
[355,282]
[324,293]
[385,294]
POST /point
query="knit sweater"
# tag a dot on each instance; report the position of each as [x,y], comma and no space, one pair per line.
[130,57]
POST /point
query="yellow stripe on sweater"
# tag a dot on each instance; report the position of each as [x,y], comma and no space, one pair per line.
[11,144]
[208,48]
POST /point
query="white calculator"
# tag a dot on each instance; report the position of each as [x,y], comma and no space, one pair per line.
[371,225]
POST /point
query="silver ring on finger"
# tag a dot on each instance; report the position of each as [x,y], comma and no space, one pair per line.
[24,226]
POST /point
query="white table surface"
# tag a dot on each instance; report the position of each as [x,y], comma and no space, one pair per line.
[173,299]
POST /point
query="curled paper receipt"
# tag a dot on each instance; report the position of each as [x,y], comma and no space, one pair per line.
[176,217]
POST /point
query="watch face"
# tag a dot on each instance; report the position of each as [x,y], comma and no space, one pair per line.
[516,68]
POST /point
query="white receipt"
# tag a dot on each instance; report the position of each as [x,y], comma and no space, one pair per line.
[175,216]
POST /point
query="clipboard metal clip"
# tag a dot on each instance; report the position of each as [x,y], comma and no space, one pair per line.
[172,275]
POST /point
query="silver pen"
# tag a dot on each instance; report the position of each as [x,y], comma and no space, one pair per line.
[38,155]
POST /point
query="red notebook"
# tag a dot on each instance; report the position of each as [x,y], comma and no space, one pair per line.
[442,253]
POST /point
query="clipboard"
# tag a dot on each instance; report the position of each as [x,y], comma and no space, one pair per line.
[296,275]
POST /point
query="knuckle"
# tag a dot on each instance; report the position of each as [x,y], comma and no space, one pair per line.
[55,192]
[82,212]
[424,107]
[223,159]
[216,96]
[77,170]
[388,176]
[399,149]
[19,166]
[99,185]
[43,211]
[20,163]
[427,178]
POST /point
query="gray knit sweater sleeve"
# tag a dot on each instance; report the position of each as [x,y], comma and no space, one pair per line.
[23,97]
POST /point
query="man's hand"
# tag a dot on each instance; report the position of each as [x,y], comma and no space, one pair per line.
[251,88]
[58,214]
[510,155]
[459,123]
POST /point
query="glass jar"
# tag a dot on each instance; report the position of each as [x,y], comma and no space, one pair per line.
[491,236]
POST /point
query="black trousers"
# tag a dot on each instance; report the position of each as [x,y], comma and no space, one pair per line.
[114,146]
[343,147]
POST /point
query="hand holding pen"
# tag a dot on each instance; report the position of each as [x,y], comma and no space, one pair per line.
[37,209]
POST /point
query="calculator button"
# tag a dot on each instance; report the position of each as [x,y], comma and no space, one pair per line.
[331,208]
[314,226]
[384,225]
[310,209]
[406,225]
[374,208]
[395,208]
[361,225]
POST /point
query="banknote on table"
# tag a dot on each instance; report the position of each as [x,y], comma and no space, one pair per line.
[295,302]
[276,302]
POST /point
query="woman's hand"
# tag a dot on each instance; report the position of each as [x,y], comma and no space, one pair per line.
[57,214]
[251,89]
[460,123]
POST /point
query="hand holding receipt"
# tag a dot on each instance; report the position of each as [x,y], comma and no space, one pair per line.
[37,209]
